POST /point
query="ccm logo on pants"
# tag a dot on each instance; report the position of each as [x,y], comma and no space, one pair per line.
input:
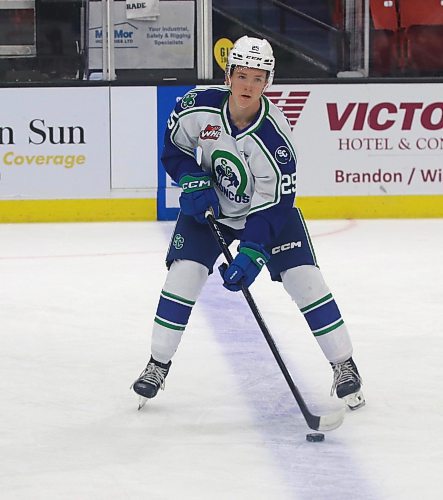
[286,246]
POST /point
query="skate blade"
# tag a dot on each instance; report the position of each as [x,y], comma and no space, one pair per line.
[141,402]
[354,401]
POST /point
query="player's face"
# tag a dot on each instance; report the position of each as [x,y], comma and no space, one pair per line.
[247,85]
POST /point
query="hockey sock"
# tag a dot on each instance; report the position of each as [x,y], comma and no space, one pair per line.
[182,287]
[306,286]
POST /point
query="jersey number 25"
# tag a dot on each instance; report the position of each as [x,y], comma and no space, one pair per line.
[288,183]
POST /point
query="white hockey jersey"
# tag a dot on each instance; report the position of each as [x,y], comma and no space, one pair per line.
[253,170]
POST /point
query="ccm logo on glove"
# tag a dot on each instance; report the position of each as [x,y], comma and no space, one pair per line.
[196,185]
[198,195]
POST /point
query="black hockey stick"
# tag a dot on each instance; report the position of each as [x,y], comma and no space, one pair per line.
[318,423]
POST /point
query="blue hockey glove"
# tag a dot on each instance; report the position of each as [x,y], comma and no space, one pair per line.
[198,195]
[245,267]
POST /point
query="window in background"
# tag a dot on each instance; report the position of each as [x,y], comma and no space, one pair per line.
[42,40]
[157,47]
[307,36]
[17,29]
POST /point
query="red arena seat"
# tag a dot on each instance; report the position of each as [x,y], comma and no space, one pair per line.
[386,42]
[420,13]
[384,14]
[422,23]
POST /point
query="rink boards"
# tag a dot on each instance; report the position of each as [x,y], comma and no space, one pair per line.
[92,153]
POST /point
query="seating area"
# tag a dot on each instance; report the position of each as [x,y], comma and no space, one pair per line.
[406,37]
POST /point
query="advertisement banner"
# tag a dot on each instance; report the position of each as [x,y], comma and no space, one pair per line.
[164,43]
[54,143]
[351,139]
[365,139]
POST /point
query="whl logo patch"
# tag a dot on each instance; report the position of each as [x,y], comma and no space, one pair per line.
[291,102]
[211,132]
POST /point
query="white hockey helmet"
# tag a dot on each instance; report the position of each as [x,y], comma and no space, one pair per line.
[251,52]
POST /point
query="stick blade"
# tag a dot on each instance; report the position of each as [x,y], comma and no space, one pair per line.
[331,421]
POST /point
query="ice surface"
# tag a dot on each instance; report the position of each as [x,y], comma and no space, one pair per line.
[77,302]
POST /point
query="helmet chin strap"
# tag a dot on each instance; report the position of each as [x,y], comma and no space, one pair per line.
[266,86]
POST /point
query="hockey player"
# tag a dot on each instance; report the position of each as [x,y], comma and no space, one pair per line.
[247,175]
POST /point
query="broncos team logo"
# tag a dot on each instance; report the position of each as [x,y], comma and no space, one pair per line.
[230,176]
[225,172]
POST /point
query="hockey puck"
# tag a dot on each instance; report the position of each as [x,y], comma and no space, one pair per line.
[315,437]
